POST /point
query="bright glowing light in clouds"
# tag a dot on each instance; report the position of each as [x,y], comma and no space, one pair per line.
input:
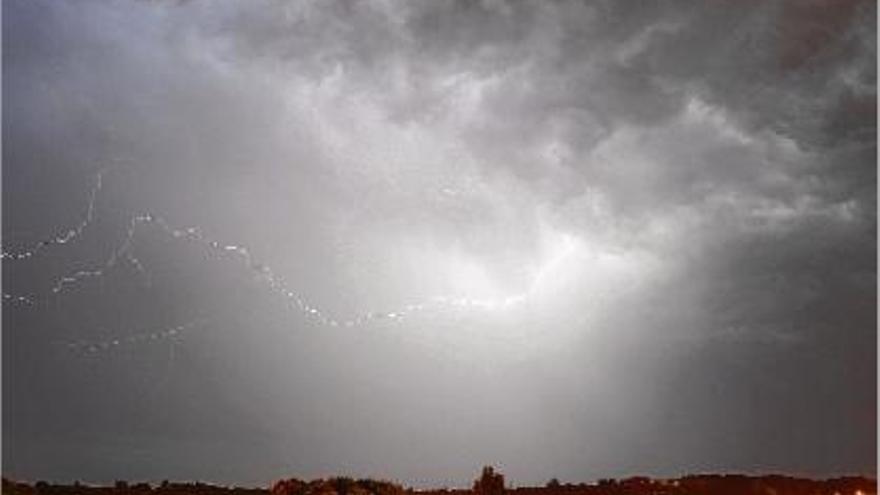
[554,267]
[473,283]
[486,307]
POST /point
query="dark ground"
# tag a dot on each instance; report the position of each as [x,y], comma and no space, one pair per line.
[490,483]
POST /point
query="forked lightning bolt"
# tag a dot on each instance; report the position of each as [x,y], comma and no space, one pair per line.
[196,236]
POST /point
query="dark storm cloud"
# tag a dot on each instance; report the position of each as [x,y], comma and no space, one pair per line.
[572,74]
[714,163]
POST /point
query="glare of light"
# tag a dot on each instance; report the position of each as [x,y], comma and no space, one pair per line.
[554,266]
[476,288]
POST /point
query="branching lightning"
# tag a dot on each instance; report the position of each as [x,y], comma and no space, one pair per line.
[196,236]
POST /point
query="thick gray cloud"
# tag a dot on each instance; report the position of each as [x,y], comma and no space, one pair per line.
[628,237]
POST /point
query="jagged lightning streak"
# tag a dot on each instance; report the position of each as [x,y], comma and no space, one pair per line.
[93,347]
[12,299]
[276,283]
[123,251]
[70,234]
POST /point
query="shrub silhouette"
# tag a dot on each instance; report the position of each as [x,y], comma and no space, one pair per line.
[336,486]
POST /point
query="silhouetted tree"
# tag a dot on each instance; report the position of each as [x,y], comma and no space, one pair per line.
[290,486]
[489,483]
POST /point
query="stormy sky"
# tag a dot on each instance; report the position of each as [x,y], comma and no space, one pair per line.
[247,240]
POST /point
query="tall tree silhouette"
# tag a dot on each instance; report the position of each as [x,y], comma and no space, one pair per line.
[489,483]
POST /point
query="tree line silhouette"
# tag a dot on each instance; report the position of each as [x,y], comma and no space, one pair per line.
[490,482]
